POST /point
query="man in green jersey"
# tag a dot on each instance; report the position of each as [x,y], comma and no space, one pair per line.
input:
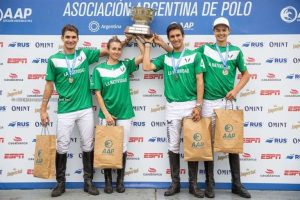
[69,71]
[221,61]
[183,82]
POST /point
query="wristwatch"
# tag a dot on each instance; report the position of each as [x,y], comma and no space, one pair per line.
[199,106]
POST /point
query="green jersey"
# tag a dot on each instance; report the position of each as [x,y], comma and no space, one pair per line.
[113,83]
[180,72]
[217,82]
[73,95]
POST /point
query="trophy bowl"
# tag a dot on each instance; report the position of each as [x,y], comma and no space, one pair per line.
[142,17]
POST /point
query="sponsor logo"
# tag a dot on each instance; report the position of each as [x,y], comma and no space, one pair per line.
[39,124]
[295,46]
[153,155]
[276,60]
[199,44]
[19,15]
[181,171]
[14,172]
[275,108]
[44,45]
[152,93]
[13,77]
[136,139]
[252,140]
[14,92]
[271,77]
[269,173]
[14,156]
[293,93]
[276,140]
[1,44]
[153,76]
[293,157]
[20,108]
[247,157]
[253,44]
[16,60]
[248,172]
[296,60]
[222,157]
[269,92]
[1,139]
[78,171]
[294,108]
[157,139]
[109,147]
[293,76]
[223,172]
[152,172]
[131,171]
[252,76]
[289,14]
[36,76]
[131,156]
[158,123]
[296,126]
[30,171]
[229,134]
[133,91]
[278,44]
[270,156]
[17,141]
[133,78]
[40,61]
[71,155]
[18,44]
[253,124]
[18,124]
[253,108]
[133,123]
[187,26]
[277,124]
[158,108]
[296,140]
[247,93]
[252,61]
[35,93]
[292,172]
[139,108]
[2,108]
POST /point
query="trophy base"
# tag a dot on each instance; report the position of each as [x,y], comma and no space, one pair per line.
[138,29]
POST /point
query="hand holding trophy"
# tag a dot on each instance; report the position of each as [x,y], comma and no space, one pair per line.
[142,17]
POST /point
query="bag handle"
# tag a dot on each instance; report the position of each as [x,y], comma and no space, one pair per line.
[226,104]
[45,130]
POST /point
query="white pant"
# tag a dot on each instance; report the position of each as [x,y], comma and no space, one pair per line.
[175,112]
[126,123]
[208,107]
[84,119]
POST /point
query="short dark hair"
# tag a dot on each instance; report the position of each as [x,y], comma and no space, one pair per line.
[69,27]
[113,39]
[174,26]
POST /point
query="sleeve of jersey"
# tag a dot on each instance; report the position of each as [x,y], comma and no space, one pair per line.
[50,74]
[241,63]
[130,65]
[200,49]
[92,55]
[96,83]
[199,64]
[158,62]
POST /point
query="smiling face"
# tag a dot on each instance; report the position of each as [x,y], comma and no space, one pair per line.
[70,40]
[221,33]
[115,50]
[176,38]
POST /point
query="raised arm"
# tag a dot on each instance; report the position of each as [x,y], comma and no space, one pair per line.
[147,65]
[139,59]
[159,41]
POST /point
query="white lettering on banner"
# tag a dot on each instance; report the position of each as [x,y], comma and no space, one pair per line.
[231,8]
[20,15]
[181,8]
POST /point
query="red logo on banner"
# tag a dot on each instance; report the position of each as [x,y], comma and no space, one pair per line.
[136,139]
[292,172]
[151,170]
[17,139]
[17,60]
[87,44]
[270,156]
[13,155]
[246,155]
[153,155]
[252,76]
[36,92]
[251,140]
[12,75]
[153,76]
[36,76]
[1,140]
[269,171]
[294,108]
[293,91]
[270,92]
[182,171]
[250,59]
[152,91]
[270,75]
[130,154]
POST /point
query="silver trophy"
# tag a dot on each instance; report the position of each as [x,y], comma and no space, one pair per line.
[142,17]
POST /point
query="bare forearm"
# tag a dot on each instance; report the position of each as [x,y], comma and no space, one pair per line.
[146,59]
[200,88]
[244,80]
[101,103]
[46,96]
